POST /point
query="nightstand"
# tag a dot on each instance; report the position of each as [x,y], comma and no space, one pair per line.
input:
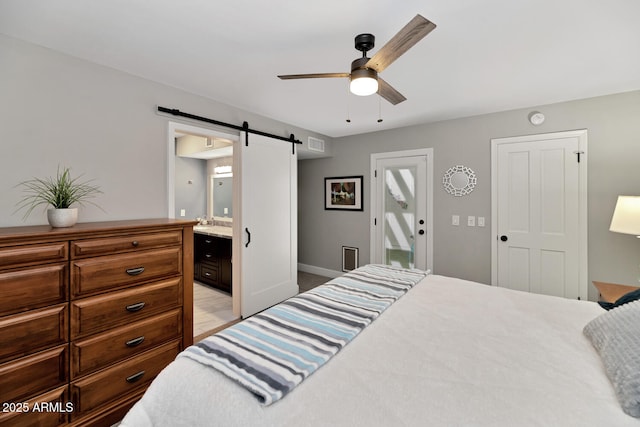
[610,292]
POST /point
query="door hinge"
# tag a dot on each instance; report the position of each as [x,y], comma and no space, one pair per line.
[375,173]
[375,221]
[578,154]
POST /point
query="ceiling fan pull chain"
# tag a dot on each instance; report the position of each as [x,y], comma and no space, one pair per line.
[379,109]
[348,105]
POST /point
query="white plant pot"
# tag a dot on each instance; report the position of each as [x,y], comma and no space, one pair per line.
[60,218]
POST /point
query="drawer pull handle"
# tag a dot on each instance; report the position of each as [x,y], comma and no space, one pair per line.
[135,307]
[207,274]
[208,255]
[208,241]
[135,271]
[135,377]
[135,342]
[135,243]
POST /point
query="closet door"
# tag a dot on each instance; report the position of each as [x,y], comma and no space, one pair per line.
[265,260]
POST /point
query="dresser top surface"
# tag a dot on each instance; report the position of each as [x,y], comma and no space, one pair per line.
[10,234]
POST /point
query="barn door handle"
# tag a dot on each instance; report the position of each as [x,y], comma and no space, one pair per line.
[504,238]
[248,237]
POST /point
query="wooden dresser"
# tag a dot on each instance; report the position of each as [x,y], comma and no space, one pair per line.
[89,315]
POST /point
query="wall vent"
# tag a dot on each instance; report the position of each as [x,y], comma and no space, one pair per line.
[349,258]
[316,144]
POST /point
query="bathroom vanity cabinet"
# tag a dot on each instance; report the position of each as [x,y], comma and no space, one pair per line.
[212,257]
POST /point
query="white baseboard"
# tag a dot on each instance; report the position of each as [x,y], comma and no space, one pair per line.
[319,270]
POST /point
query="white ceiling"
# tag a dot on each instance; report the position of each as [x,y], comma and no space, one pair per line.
[484,56]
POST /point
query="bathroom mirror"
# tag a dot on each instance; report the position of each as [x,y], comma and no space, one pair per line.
[222,196]
[459,180]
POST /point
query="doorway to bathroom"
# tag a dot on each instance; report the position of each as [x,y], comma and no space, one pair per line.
[199,186]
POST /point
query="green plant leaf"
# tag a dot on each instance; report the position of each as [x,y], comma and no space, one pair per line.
[59,192]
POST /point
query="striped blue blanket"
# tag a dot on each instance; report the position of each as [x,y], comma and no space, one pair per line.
[272,352]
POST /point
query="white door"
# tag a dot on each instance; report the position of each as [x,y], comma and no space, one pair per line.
[265,253]
[401,209]
[539,213]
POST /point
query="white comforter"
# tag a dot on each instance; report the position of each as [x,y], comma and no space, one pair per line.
[449,353]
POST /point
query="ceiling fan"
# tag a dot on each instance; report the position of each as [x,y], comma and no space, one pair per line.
[364,71]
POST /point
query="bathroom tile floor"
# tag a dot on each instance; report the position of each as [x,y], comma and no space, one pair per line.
[212,308]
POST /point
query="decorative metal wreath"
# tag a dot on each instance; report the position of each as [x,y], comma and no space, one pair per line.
[458,187]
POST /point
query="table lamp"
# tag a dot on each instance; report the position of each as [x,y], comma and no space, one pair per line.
[626,216]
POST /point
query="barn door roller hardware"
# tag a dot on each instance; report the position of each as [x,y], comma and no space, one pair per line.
[244,127]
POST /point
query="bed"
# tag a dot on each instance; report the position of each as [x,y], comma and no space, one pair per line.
[449,352]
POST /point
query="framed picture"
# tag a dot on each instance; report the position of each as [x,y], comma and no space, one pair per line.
[343,193]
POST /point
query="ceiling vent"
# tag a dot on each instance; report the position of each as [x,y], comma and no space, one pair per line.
[316,144]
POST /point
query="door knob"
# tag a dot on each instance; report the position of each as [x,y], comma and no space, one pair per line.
[504,238]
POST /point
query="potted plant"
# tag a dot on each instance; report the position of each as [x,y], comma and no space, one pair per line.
[60,192]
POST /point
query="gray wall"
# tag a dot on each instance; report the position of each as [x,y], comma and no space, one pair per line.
[191,187]
[613,154]
[59,110]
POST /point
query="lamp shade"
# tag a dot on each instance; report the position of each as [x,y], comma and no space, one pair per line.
[364,82]
[626,216]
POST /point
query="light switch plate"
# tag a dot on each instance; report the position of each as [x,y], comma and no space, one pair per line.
[455,220]
[183,212]
[480,221]
[471,221]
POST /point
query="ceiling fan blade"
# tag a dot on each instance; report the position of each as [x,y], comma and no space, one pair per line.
[312,76]
[408,36]
[386,91]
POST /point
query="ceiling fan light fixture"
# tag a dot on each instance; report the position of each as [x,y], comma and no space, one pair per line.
[364,82]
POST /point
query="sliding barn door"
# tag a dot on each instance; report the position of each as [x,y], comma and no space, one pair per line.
[265,258]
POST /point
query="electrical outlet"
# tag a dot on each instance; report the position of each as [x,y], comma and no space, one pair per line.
[480,221]
[471,221]
[183,212]
[455,220]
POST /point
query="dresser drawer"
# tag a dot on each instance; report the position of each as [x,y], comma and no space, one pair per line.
[33,287]
[42,418]
[17,256]
[93,353]
[99,313]
[28,376]
[34,330]
[128,243]
[93,275]
[125,377]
